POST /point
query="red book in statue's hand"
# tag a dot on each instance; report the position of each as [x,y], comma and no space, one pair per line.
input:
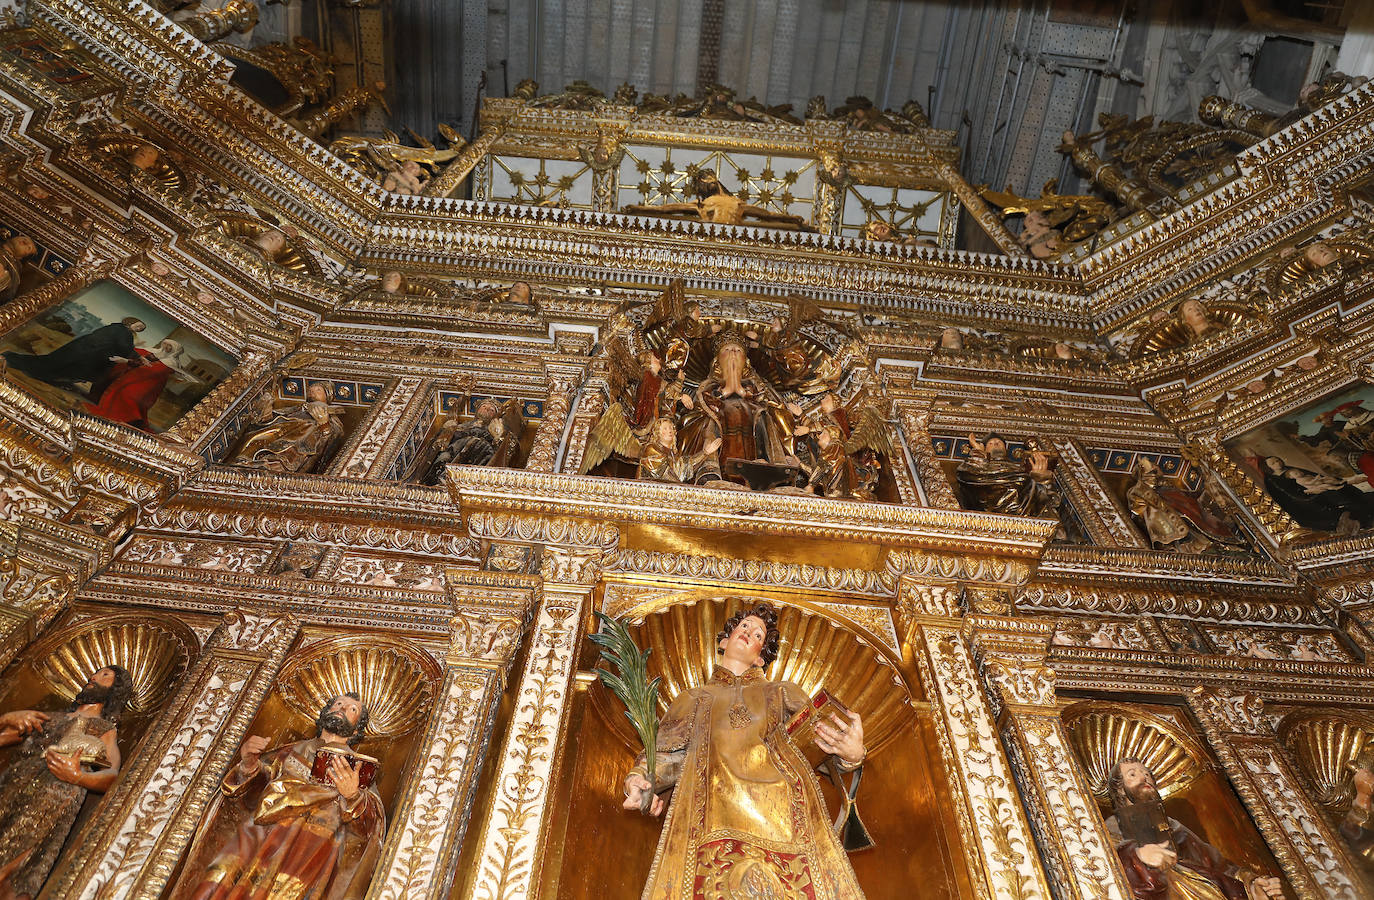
[368,766]
[802,727]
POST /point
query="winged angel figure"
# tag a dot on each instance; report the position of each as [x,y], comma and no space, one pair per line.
[742,423]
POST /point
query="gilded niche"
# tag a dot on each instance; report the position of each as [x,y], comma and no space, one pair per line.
[732,402]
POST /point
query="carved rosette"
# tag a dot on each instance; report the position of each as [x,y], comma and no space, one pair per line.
[1240,730]
[148,820]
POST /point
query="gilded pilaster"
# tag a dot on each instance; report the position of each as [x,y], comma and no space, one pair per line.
[1077,851]
[562,384]
[1241,732]
[589,408]
[509,858]
[383,433]
[997,836]
[934,483]
[430,820]
[30,598]
[1106,522]
[132,846]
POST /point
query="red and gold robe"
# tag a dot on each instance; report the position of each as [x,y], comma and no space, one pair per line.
[303,842]
[747,818]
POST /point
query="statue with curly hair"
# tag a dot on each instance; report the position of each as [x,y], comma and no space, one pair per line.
[62,756]
[747,818]
[306,837]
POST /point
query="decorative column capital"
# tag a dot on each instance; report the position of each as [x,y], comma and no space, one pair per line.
[1233,712]
[571,566]
[1010,654]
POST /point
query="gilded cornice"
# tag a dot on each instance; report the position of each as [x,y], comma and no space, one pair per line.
[675,567]
[617,500]
[321,602]
[1124,566]
[1049,597]
[1083,669]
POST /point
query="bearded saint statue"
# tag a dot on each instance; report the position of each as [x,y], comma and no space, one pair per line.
[733,403]
[1172,862]
[304,840]
[62,756]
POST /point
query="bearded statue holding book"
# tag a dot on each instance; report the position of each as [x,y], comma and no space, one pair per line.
[747,818]
[1164,859]
[317,821]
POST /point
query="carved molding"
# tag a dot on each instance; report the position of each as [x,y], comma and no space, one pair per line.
[1241,731]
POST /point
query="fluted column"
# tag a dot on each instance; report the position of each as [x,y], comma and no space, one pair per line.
[509,857]
[1241,733]
[997,837]
[1079,854]
[234,17]
[430,820]
[133,845]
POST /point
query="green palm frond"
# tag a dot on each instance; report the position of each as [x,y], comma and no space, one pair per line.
[630,682]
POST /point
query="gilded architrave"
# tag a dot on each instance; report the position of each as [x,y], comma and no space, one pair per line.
[133,844]
[1241,732]
[429,823]
[1078,853]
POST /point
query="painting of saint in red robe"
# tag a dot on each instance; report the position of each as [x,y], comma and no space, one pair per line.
[134,386]
[105,352]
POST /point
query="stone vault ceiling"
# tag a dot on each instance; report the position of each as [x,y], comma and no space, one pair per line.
[1009,77]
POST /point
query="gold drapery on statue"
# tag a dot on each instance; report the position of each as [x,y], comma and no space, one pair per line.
[747,818]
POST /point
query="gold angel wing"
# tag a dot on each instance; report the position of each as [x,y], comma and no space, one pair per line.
[671,305]
[869,430]
[611,434]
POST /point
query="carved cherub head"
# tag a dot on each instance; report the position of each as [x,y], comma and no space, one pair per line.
[519,293]
[1193,314]
[878,230]
[19,248]
[393,282]
[144,157]
[1320,255]
[271,243]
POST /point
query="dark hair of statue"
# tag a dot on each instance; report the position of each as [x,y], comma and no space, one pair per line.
[360,729]
[763,611]
[120,693]
[1116,787]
